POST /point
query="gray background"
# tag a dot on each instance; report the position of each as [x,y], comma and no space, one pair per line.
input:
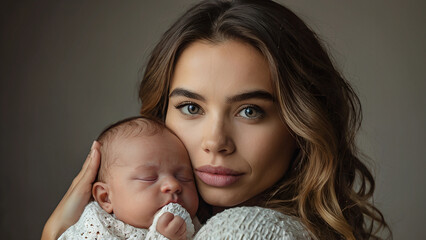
[69,68]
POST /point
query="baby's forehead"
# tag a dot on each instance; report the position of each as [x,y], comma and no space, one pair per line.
[153,164]
[130,143]
[148,150]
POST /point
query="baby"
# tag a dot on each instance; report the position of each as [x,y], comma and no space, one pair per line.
[144,170]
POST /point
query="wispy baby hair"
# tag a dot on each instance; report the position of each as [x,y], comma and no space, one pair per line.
[126,128]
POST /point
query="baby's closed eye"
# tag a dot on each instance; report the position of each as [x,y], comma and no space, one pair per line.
[147,178]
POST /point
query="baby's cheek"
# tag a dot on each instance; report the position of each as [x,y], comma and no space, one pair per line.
[192,201]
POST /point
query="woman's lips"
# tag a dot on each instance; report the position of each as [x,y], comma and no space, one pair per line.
[217,176]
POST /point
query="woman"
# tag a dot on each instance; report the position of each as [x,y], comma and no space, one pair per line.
[266,118]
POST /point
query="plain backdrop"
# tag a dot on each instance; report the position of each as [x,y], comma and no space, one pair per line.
[69,68]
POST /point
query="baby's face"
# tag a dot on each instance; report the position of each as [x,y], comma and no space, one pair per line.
[150,172]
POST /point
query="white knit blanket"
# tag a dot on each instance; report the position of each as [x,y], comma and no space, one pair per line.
[95,223]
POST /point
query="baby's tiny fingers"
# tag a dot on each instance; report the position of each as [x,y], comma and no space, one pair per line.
[182,231]
[164,220]
[177,224]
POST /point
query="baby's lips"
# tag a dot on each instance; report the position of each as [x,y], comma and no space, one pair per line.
[171,201]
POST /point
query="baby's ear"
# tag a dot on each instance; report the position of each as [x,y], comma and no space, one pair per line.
[100,192]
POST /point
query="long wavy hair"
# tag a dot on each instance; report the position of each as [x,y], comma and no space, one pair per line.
[327,186]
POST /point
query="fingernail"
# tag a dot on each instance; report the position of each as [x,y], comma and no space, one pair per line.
[93,144]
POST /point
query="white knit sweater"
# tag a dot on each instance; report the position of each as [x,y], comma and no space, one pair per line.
[253,223]
[234,223]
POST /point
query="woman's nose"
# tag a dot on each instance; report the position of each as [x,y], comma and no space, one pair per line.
[171,185]
[217,138]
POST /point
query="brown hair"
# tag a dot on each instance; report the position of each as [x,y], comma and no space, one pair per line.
[129,127]
[327,185]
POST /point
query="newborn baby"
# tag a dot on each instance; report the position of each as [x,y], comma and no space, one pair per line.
[145,187]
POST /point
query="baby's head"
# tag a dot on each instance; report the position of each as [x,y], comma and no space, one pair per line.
[144,166]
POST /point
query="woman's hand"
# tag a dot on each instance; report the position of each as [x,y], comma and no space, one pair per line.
[78,195]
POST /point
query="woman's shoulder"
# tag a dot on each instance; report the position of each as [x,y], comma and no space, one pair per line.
[253,223]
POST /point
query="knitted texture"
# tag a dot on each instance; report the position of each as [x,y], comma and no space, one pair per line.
[234,223]
[253,223]
[95,223]
[177,210]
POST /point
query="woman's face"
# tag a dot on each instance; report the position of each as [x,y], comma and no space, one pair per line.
[222,107]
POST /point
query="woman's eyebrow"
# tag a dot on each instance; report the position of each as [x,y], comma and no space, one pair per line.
[260,94]
[186,93]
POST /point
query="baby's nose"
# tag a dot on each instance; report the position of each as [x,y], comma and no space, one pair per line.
[171,185]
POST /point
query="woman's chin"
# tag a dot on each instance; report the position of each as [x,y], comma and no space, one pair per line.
[221,198]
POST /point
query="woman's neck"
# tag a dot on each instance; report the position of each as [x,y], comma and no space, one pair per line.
[255,201]
[216,210]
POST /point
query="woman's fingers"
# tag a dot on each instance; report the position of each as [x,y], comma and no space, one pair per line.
[82,190]
[76,198]
[95,146]
[90,156]
[91,170]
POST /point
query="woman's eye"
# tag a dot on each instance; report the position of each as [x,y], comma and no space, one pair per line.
[251,112]
[189,109]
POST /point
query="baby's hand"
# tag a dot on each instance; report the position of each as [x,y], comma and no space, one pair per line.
[171,226]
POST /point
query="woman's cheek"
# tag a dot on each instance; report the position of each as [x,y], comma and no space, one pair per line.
[269,145]
[189,134]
